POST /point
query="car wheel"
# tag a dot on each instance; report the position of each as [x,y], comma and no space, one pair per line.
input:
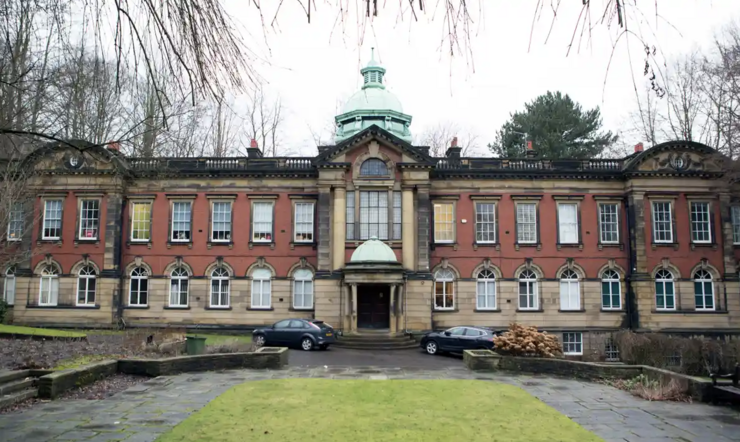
[307,344]
[259,340]
[431,347]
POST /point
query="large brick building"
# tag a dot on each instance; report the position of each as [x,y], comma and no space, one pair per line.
[578,247]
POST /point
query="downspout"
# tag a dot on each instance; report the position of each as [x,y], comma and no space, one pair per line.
[632,321]
[121,279]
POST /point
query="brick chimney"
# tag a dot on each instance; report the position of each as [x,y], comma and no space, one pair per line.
[113,147]
[639,147]
[453,151]
[530,153]
[253,151]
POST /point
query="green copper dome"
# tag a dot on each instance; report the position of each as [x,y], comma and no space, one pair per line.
[373,105]
[373,250]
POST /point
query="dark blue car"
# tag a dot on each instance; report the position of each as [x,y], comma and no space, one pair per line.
[303,333]
[458,339]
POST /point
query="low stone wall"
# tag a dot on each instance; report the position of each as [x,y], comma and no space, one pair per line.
[54,384]
[265,357]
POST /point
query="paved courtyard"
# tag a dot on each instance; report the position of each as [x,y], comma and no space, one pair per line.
[146,410]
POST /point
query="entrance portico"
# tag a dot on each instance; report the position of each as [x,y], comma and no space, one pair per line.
[373,289]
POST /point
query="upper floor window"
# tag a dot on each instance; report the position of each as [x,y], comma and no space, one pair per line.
[49,286]
[444,290]
[570,291]
[567,223]
[526,223]
[486,290]
[662,222]
[139,288]
[665,293]
[179,287]
[221,221]
[350,215]
[262,221]
[701,231]
[141,221]
[609,223]
[397,215]
[52,224]
[374,214]
[444,222]
[703,290]
[373,167]
[181,216]
[735,224]
[86,286]
[89,219]
[16,222]
[261,289]
[528,299]
[303,289]
[485,223]
[9,286]
[220,287]
[611,291]
[303,222]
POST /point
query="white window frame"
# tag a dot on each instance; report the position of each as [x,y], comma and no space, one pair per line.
[303,288]
[85,277]
[447,278]
[261,287]
[9,282]
[489,222]
[188,221]
[608,277]
[148,221]
[573,343]
[603,222]
[16,222]
[700,227]
[263,235]
[664,282]
[703,276]
[51,275]
[304,226]
[565,227]
[520,222]
[449,226]
[94,220]
[138,274]
[221,278]
[46,219]
[735,215]
[486,279]
[228,234]
[669,232]
[570,291]
[181,276]
[529,277]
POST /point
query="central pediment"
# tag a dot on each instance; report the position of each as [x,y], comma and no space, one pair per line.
[410,153]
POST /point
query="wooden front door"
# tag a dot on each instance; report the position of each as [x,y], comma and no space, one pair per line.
[373,306]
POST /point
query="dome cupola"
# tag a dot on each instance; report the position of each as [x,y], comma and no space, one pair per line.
[373,250]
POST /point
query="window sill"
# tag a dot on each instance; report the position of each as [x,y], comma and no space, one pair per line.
[655,245]
[570,245]
[136,307]
[218,308]
[65,307]
[702,245]
[87,241]
[528,310]
[308,309]
[260,309]
[270,244]
[49,241]
[572,311]
[519,245]
[494,245]
[139,243]
[168,307]
[220,243]
[447,310]
[572,354]
[691,312]
[611,245]
[294,244]
[612,310]
[179,243]
[487,310]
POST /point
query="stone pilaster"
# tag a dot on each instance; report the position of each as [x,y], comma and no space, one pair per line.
[338,227]
[324,211]
[407,228]
[353,319]
[637,235]
[113,232]
[728,255]
[423,212]
[392,318]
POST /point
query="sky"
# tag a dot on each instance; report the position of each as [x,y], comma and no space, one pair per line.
[313,67]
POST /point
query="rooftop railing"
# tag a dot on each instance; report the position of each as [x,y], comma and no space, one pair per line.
[528,164]
[209,163]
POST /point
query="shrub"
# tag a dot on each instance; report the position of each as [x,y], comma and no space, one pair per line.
[3,310]
[231,346]
[654,390]
[521,340]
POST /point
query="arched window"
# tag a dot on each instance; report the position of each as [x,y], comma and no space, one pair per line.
[703,290]
[220,287]
[570,291]
[444,290]
[261,289]
[9,286]
[139,288]
[86,286]
[179,287]
[486,290]
[528,299]
[611,291]
[303,289]
[49,286]
[373,167]
[665,294]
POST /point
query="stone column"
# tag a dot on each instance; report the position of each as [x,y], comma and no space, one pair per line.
[392,320]
[324,219]
[423,213]
[407,226]
[353,321]
[339,227]
[401,311]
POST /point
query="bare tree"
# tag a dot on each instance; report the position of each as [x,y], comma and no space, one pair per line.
[685,99]
[439,137]
[263,119]
[646,120]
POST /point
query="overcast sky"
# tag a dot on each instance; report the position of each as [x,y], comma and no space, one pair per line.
[314,67]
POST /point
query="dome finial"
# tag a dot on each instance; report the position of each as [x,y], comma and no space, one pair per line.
[372,54]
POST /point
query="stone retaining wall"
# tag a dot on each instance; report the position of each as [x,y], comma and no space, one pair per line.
[54,384]
[266,357]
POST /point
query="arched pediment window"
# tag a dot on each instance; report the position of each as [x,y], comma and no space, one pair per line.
[373,167]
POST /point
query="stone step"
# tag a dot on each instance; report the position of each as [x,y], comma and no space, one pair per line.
[13,375]
[378,347]
[19,396]
[374,338]
[18,385]
[376,344]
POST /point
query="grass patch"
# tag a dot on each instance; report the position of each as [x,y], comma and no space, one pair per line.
[213,339]
[82,360]
[32,331]
[398,410]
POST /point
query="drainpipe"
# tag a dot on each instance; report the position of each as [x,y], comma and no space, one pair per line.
[121,279]
[630,301]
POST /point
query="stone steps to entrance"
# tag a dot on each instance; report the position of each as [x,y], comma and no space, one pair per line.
[18,396]
[18,385]
[376,340]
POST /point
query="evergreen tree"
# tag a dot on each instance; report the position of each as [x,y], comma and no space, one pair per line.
[558,128]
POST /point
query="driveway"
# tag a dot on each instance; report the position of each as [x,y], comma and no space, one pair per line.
[344,357]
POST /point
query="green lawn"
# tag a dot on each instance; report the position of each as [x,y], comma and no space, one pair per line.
[360,410]
[212,339]
[50,332]
[79,361]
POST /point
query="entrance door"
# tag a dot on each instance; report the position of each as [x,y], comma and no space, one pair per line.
[373,306]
